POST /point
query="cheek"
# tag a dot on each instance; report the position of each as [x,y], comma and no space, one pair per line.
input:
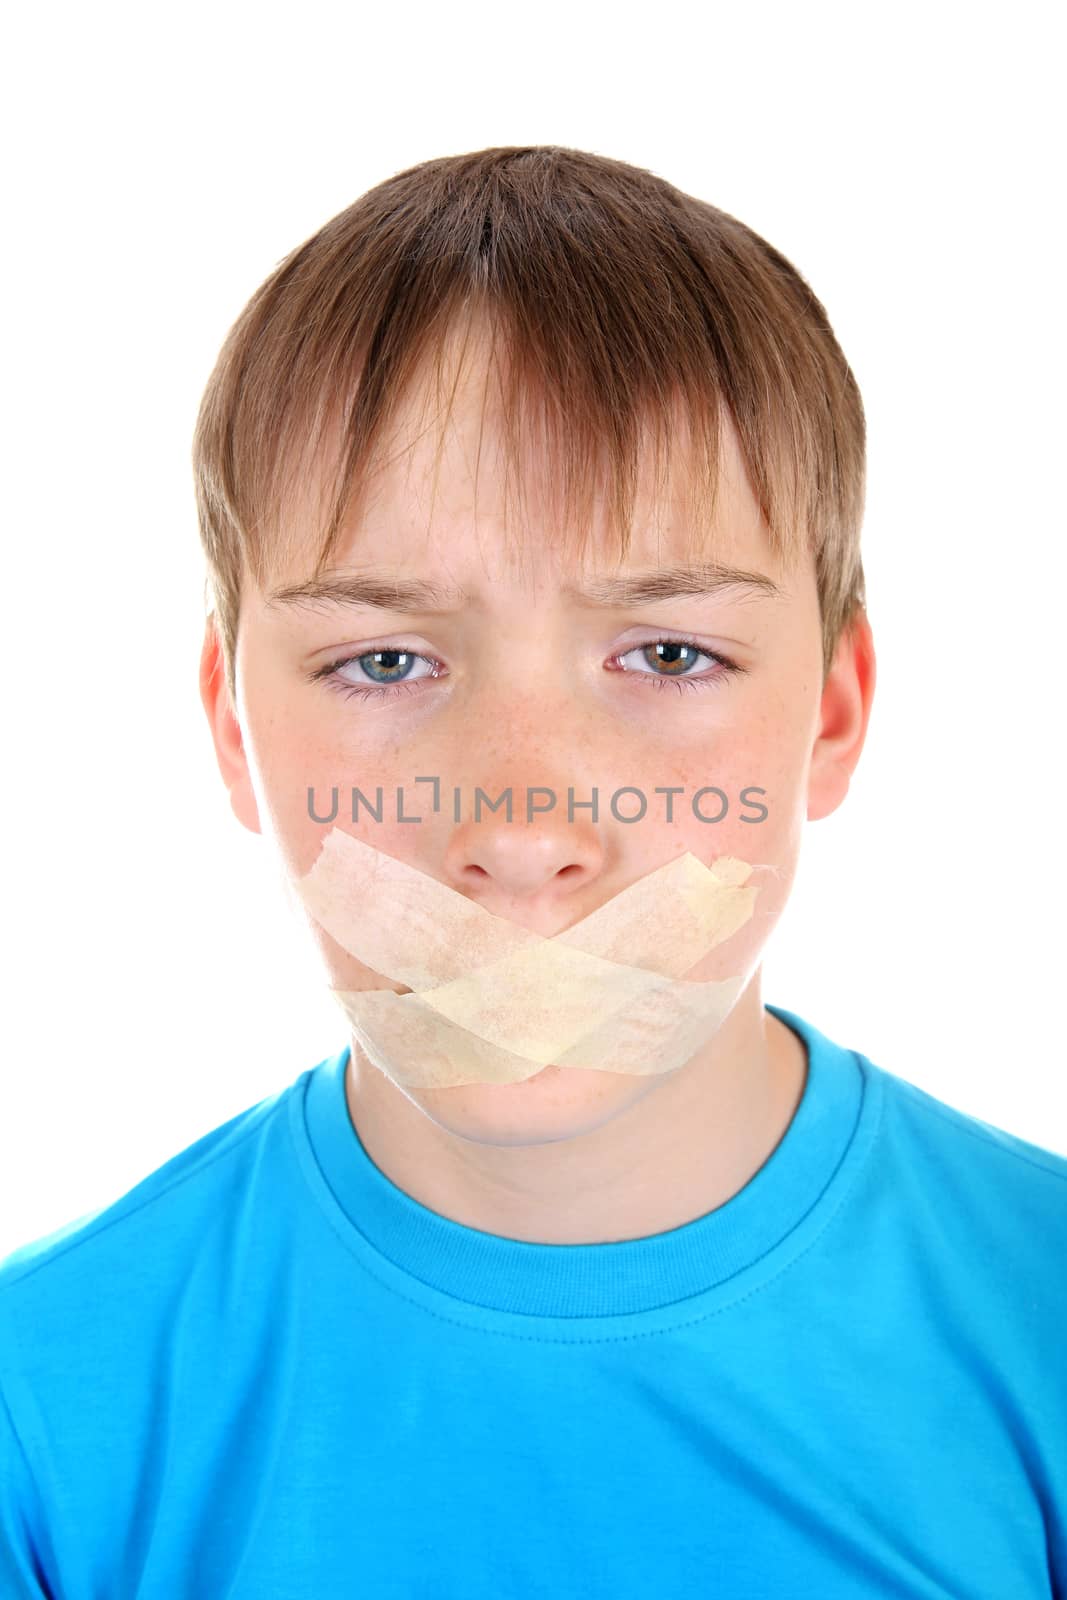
[305,768]
[754,780]
[762,773]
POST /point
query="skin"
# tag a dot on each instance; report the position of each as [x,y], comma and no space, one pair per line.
[569,1155]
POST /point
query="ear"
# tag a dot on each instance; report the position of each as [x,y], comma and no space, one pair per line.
[844,713]
[226,730]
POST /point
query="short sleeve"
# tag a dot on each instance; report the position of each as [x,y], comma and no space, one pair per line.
[21,1577]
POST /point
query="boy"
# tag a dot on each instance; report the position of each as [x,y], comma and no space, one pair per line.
[504,1299]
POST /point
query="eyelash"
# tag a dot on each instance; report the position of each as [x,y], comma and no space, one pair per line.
[364,691]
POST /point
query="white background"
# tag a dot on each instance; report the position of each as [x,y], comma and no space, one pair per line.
[159,164]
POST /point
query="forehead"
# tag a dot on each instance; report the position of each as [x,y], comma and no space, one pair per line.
[444,488]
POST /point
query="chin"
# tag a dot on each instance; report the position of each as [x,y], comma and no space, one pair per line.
[556,1103]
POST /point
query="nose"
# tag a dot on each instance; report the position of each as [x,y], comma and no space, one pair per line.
[539,864]
[534,848]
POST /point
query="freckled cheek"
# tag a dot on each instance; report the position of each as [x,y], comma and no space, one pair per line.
[761,776]
[305,778]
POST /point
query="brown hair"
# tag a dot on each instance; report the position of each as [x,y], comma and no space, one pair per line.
[618,295]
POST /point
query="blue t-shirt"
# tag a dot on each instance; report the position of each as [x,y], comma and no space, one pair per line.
[268,1372]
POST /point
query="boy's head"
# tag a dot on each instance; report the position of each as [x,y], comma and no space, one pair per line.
[517,378]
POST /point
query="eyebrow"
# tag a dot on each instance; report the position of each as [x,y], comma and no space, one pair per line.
[667,583]
[386,593]
[380,592]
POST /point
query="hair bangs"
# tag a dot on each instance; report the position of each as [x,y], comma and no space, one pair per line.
[622,325]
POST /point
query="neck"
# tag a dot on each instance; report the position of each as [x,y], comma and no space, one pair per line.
[687,1147]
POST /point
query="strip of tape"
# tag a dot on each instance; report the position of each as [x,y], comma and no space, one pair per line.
[491,1002]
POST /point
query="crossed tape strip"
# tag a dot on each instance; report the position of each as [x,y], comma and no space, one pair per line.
[491,1002]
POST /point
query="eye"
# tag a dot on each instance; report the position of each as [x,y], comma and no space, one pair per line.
[387,671]
[677,656]
[392,670]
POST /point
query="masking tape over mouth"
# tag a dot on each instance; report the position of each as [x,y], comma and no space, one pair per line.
[495,1003]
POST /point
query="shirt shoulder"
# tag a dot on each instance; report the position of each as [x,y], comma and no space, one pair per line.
[937,1125]
[167,1206]
[86,1315]
[987,1204]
